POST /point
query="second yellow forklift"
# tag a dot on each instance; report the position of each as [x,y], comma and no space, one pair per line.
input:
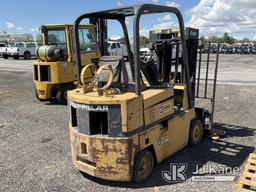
[54,72]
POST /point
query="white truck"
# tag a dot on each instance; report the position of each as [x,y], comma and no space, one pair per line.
[21,49]
[115,48]
[3,49]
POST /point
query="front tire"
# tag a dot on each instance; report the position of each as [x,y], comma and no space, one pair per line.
[5,56]
[196,132]
[143,165]
[27,55]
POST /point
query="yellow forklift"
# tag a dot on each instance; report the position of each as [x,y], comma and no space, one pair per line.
[54,72]
[123,125]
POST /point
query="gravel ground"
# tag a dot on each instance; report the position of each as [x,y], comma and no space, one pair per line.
[35,150]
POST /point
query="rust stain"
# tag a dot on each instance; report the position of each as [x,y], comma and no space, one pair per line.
[109,170]
[122,160]
[111,155]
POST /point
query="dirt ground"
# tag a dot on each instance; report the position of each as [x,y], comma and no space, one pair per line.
[34,137]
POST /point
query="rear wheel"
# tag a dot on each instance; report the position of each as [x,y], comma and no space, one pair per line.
[196,132]
[61,94]
[5,56]
[27,55]
[143,165]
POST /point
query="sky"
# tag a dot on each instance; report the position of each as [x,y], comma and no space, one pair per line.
[212,17]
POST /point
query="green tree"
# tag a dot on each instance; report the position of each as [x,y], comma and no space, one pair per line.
[245,40]
[214,39]
[203,39]
[227,38]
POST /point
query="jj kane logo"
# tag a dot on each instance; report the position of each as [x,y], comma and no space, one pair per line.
[176,173]
[211,173]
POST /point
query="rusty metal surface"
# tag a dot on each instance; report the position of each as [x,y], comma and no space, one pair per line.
[112,157]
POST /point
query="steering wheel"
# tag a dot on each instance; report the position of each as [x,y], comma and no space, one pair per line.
[93,69]
[95,80]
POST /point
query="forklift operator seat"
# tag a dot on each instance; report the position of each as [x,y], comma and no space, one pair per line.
[119,68]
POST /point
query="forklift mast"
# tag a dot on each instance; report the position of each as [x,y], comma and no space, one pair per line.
[102,33]
[192,39]
[167,45]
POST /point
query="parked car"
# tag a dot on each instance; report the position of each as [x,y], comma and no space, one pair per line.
[224,48]
[253,49]
[239,49]
[115,48]
[21,49]
[205,48]
[146,53]
[3,48]
[243,49]
[213,48]
[227,49]
[234,49]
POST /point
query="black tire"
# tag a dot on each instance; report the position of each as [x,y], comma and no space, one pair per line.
[143,165]
[5,56]
[27,55]
[196,132]
[16,57]
[61,94]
